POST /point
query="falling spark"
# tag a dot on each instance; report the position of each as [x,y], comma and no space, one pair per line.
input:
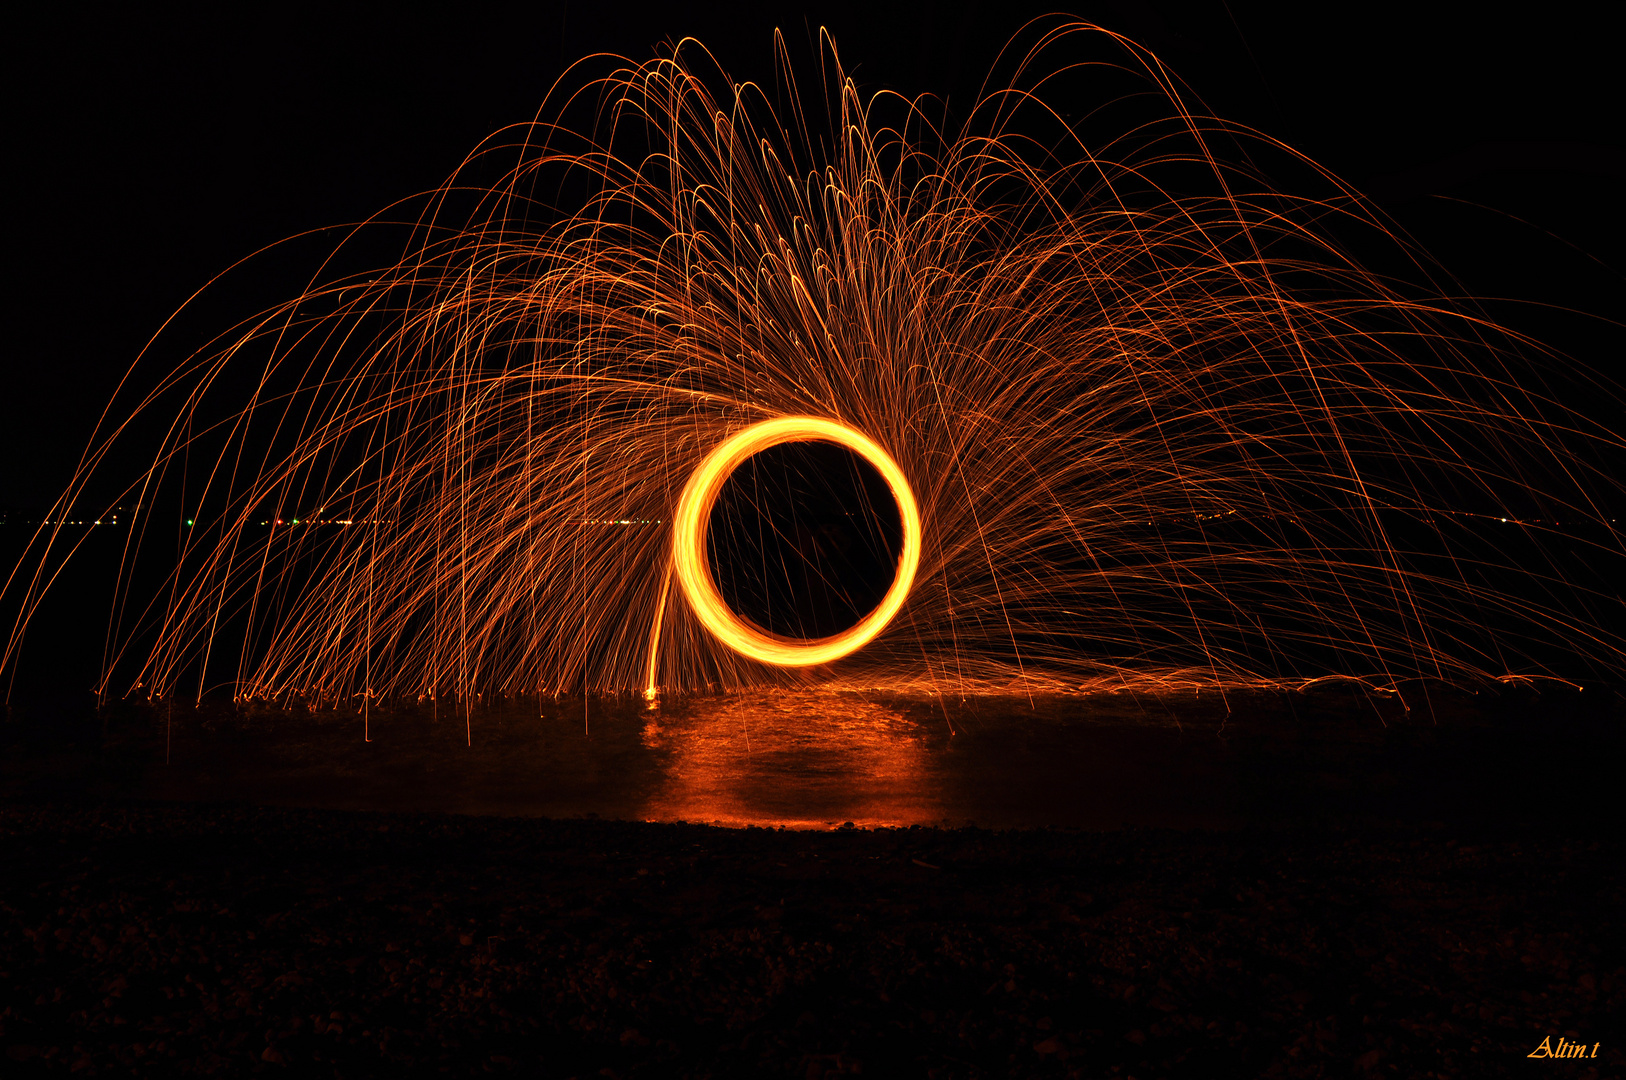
[1140,432]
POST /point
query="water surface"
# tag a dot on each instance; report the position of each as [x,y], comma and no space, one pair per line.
[821,758]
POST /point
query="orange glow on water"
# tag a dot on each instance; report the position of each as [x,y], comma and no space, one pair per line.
[793,759]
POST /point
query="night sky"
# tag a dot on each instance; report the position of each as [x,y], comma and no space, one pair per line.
[150,152]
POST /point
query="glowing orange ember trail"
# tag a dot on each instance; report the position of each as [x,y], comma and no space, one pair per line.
[1167,432]
[689,543]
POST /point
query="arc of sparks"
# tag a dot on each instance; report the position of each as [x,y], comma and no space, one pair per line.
[1165,429]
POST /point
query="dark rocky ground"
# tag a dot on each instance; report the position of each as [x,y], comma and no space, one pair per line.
[153,940]
[1393,894]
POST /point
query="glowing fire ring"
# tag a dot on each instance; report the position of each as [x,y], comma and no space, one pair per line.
[694,515]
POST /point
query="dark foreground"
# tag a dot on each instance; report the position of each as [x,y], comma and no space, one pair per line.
[160,940]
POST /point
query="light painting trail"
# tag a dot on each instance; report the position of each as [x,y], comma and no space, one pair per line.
[689,544]
[1147,418]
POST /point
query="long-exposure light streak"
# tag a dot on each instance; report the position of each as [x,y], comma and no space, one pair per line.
[1147,417]
[689,543]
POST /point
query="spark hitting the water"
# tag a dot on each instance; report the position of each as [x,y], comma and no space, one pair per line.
[1142,417]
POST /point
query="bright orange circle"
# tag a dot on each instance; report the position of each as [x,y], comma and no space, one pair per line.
[694,514]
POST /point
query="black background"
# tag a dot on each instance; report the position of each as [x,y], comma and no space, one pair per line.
[150,151]
[804,539]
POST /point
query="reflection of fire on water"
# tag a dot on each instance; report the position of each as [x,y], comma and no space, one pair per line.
[791,757]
